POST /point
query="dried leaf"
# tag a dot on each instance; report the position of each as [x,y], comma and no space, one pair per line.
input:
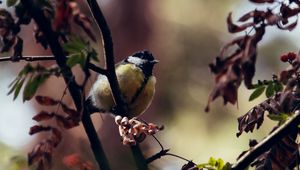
[226,86]
[248,121]
[43,115]
[286,11]
[56,137]
[71,112]
[288,27]
[282,155]
[46,101]
[66,122]
[233,28]
[38,128]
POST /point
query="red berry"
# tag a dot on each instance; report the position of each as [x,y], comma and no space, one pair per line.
[291,56]
[284,58]
[288,57]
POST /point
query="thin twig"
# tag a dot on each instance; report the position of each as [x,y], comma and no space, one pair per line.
[161,146]
[121,106]
[157,155]
[91,66]
[28,58]
[61,98]
[177,156]
[75,92]
[267,143]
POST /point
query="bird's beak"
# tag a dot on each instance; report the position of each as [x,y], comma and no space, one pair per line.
[154,61]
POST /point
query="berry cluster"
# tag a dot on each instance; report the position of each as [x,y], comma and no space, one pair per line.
[134,131]
[289,57]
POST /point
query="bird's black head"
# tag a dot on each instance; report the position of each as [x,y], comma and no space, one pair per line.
[144,60]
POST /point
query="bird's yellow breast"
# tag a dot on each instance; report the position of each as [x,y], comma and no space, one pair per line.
[130,80]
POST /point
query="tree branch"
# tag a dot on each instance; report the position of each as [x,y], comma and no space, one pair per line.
[158,155]
[76,94]
[121,106]
[267,143]
[27,58]
[91,66]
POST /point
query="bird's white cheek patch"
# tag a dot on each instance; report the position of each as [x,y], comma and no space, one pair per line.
[135,60]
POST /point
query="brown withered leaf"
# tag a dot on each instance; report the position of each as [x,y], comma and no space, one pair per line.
[226,85]
[289,27]
[247,122]
[239,41]
[46,101]
[66,122]
[257,16]
[85,23]
[41,154]
[38,128]
[232,70]
[284,102]
[71,112]
[233,28]
[271,18]
[56,136]
[67,10]
[43,115]
[286,11]
[82,20]
[282,155]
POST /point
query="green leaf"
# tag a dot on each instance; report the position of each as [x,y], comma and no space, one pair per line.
[94,55]
[76,59]
[10,3]
[219,164]
[212,161]
[202,165]
[18,88]
[32,86]
[76,45]
[278,87]
[270,90]
[27,69]
[282,117]
[13,85]
[256,93]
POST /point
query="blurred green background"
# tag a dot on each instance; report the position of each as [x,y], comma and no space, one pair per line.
[185,36]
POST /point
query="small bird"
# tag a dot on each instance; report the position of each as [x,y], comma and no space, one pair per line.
[136,81]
